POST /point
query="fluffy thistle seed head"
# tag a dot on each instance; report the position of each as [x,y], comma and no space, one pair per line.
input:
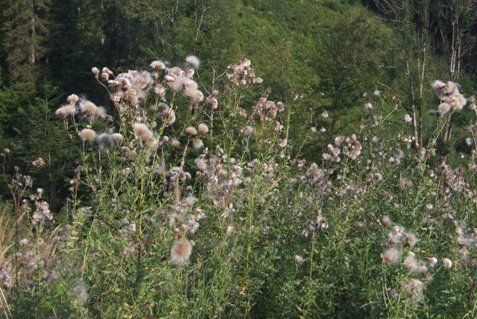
[72,99]
[181,251]
[142,132]
[117,138]
[385,221]
[444,108]
[432,262]
[197,143]
[438,85]
[411,262]
[447,263]
[66,111]
[299,260]
[202,128]
[190,131]
[158,65]
[89,108]
[175,143]
[391,255]
[95,72]
[411,239]
[87,134]
[193,61]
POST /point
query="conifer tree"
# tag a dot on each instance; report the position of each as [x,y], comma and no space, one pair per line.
[25,33]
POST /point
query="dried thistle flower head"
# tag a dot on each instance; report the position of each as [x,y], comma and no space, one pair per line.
[411,239]
[158,65]
[299,260]
[95,72]
[197,143]
[391,255]
[117,138]
[66,111]
[411,262]
[414,288]
[247,130]
[192,61]
[89,108]
[447,263]
[202,128]
[190,131]
[142,132]
[432,262]
[175,143]
[385,221]
[87,134]
[181,251]
[444,108]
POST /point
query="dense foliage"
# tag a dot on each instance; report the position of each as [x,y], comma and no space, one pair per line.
[334,177]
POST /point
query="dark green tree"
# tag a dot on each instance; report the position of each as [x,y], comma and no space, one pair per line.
[25,33]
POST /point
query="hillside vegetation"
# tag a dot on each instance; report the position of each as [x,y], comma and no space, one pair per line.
[237,159]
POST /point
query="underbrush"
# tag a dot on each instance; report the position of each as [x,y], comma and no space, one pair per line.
[187,204]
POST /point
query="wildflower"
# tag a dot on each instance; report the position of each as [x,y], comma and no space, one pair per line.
[171,118]
[391,255]
[410,262]
[385,221]
[438,85]
[117,138]
[197,143]
[377,93]
[39,162]
[158,65]
[242,74]
[42,212]
[447,263]
[142,132]
[211,101]
[66,111]
[89,108]
[411,239]
[444,108]
[192,61]
[414,288]
[408,118]
[87,134]
[105,140]
[247,130]
[201,164]
[368,106]
[202,128]
[107,70]
[353,147]
[432,262]
[175,143]
[324,114]
[396,234]
[299,260]
[72,99]
[6,275]
[194,95]
[190,131]
[181,251]
[95,71]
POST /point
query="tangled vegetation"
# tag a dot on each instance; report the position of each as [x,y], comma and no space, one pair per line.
[191,200]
